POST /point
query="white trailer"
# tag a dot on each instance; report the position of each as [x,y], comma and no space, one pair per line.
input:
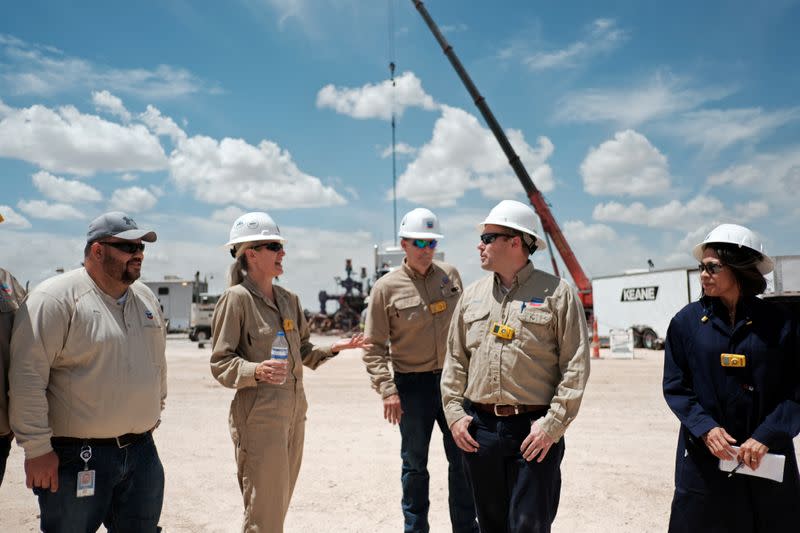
[175,297]
[645,301]
[783,283]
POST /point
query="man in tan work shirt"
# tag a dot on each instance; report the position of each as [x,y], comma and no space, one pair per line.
[87,386]
[407,321]
[11,294]
[517,364]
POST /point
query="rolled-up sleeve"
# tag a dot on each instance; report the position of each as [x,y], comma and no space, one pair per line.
[456,368]
[227,365]
[38,337]
[573,361]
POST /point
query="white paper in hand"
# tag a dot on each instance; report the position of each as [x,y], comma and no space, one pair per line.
[771,467]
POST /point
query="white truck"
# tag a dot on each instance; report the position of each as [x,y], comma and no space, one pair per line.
[200,321]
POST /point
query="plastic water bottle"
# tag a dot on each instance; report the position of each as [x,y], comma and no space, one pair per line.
[280,350]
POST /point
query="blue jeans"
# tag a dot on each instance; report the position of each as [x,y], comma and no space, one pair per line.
[129,490]
[512,495]
[421,401]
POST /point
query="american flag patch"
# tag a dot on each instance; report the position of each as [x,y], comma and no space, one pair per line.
[536,302]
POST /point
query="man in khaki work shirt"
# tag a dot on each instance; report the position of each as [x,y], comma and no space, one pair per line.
[516,367]
[11,294]
[87,386]
[407,321]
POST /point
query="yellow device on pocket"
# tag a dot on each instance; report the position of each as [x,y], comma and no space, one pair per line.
[502,331]
[437,307]
[732,360]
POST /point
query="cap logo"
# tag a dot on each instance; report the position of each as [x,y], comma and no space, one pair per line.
[429,224]
[129,221]
[239,224]
[253,224]
[148,314]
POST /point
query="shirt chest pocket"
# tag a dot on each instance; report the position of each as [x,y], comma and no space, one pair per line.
[537,326]
[408,309]
[475,323]
[259,343]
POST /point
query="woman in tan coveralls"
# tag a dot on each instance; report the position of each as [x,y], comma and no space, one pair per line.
[267,417]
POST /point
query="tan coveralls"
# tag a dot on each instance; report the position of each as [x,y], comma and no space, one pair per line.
[11,294]
[267,421]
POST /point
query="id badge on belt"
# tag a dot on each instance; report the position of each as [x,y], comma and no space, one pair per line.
[86,477]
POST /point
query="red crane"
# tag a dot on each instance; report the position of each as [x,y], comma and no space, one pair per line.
[549,224]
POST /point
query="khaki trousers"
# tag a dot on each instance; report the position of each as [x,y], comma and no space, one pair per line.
[267,426]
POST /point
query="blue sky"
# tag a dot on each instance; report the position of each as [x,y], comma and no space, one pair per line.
[644,123]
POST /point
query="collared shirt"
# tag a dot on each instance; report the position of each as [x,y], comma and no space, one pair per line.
[545,363]
[407,322]
[245,324]
[82,365]
[11,294]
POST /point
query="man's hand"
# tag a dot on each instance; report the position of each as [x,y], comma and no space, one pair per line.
[719,443]
[460,431]
[392,410]
[356,341]
[272,371]
[42,472]
[751,453]
[536,443]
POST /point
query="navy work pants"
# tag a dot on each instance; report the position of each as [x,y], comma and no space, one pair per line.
[421,401]
[129,490]
[512,495]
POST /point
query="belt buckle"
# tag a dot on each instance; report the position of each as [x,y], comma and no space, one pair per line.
[515,407]
[120,444]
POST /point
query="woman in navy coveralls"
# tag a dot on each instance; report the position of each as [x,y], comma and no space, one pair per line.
[752,401]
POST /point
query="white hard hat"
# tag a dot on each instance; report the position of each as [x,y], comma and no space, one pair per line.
[255,226]
[515,215]
[420,223]
[740,236]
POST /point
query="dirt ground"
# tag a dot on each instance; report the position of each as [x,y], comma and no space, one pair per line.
[617,471]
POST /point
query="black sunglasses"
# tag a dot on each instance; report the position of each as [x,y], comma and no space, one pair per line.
[711,268]
[489,238]
[271,246]
[127,247]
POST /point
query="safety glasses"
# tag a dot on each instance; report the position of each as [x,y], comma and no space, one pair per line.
[271,246]
[422,243]
[489,238]
[711,268]
[127,247]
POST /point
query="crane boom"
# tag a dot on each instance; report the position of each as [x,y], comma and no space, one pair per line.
[535,196]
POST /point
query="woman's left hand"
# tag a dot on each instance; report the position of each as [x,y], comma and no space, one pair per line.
[356,341]
[751,453]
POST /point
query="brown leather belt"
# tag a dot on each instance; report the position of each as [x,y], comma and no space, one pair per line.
[123,441]
[500,409]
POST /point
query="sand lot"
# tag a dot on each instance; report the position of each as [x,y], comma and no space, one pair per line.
[617,469]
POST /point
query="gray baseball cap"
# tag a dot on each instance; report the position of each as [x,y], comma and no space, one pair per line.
[117,224]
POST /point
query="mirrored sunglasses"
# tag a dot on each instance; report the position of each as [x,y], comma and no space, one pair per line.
[271,246]
[422,243]
[489,238]
[711,268]
[127,247]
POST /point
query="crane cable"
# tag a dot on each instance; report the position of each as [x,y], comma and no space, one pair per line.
[394,86]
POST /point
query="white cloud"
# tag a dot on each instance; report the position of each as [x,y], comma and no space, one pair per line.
[462,155]
[48,211]
[161,125]
[233,171]
[774,176]
[676,215]
[12,219]
[377,101]
[603,35]
[34,69]
[716,129]
[132,200]
[129,177]
[628,165]
[105,101]
[662,95]
[64,190]
[65,140]
[400,148]
[228,214]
